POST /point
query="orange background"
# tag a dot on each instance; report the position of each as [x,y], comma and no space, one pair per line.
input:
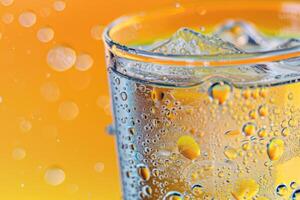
[74,146]
[29,122]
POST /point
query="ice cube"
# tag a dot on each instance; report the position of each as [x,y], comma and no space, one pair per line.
[242,34]
[188,42]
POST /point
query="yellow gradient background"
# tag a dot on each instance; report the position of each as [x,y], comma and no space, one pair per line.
[74,146]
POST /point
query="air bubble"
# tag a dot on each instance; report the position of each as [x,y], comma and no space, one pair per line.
[54,176]
[18,154]
[7,2]
[59,5]
[7,18]
[45,34]
[25,125]
[50,91]
[84,62]
[61,58]
[99,167]
[97,31]
[27,19]
[68,110]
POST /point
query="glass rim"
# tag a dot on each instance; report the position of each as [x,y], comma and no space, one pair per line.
[212,60]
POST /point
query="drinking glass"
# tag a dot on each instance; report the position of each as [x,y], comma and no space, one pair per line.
[210,126]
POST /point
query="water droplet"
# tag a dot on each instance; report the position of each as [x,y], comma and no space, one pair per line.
[231,153]
[263,111]
[173,196]
[68,110]
[285,132]
[293,185]
[97,32]
[54,176]
[61,58]
[246,93]
[18,154]
[147,190]
[253,114]
[233,133]
[245,189]
[263,92]
[197,190]
[220,91]
[275,149]
[50,91]
[188,147]
[45,34]
[7,2]
[221,174]
[246,146]
[99,167]
[25,125]
[262,198]
[7,18]
[157,94]
[249,129]
[84,62]
[27,19]
[123,96]
[290,96]
[59,5]
[293,122]
[296,195]
[255,94]
[143,172]
[282,190]
[262,133]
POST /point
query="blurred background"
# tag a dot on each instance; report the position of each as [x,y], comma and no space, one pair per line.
[54,100]
[53,113]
